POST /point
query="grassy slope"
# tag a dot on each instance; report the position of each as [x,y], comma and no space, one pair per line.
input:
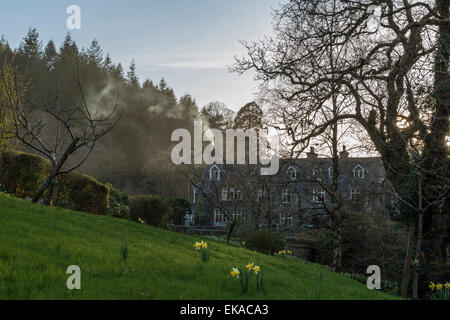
[37,244]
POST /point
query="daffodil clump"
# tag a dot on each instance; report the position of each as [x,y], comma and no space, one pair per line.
[440,291]
[245,277]
[202,247]
[284,253]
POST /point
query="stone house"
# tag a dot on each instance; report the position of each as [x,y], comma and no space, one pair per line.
[292,201]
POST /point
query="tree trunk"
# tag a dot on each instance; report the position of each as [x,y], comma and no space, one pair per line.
[56,168]
[407,267]
[436,224]
[230,232]
[49,197]
[337,252]
[419,243]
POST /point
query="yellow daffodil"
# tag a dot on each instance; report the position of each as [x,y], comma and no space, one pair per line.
[282,252]
[243,243]
[447,285]
[250,266]
[432,286]
[235,273]
[197,245]
[204,245]
[439,287]
[289,252]
[257,269]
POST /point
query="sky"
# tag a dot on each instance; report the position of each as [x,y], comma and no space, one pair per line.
[190,43]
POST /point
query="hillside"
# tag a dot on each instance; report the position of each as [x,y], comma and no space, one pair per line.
[37,244]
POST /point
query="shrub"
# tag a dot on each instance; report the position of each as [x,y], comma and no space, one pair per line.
[21,174]
[265,241]
[179,207]
[153,210]
[82,193]
[119,203]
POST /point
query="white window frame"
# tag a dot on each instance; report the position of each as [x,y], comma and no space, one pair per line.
[330,172]
[292,173]
[355,190]
[359,172]
[240,214]
[282,219]
[318,195]
[259,196]
[316,171]
[286,196]
[216,176]
[289,220]
[224,194]
[219,218]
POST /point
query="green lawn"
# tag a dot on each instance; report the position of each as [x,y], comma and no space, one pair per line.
[37,244]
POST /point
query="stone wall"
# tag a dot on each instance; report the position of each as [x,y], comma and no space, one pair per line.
[302,248]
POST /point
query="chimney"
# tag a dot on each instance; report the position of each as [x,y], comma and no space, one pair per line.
[312,154]
[344,153]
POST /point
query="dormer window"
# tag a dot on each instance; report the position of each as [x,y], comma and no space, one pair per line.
[330,172]
[359,172]
[292,173]
[214,174]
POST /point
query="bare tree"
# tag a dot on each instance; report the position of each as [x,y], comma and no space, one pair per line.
[64,134]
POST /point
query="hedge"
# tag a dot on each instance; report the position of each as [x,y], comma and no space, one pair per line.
[22,174]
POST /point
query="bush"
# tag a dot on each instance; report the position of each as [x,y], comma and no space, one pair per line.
[119,203]
[153,210]
[179,207]
[82,193]
[21,174]
[265,241]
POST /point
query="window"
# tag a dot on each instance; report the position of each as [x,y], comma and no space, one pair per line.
[229,194]
[214,174]
[359,172]
[282,219]
[239,215]
[224,194]
[355,194]
[286,220]
[330,173]
[316,171]
[286,196]
[219,218]
[259,196]
[289,221]
[318,195]
[292,173]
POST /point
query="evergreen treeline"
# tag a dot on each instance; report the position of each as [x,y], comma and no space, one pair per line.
[135,156]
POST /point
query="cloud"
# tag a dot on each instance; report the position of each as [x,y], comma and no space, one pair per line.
[188,60]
